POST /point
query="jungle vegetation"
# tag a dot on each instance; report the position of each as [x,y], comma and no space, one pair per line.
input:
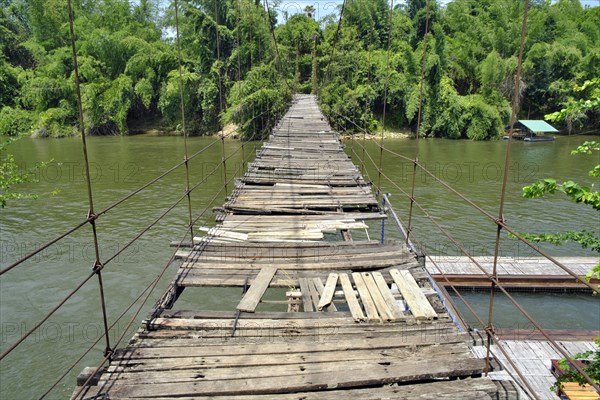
[241,61]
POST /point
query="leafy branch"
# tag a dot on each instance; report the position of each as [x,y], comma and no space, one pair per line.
[591,366]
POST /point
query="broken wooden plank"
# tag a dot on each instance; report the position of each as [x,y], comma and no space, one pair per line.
[327,296]
[321,289]
[257,289]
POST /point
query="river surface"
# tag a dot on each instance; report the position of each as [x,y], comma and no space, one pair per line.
[119,165]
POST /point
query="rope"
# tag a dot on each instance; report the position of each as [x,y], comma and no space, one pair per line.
[97,268]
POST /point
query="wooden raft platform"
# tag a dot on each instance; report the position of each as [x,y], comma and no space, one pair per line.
[523,273]
[319,318]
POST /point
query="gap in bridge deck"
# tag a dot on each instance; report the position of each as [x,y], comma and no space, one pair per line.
[365,314]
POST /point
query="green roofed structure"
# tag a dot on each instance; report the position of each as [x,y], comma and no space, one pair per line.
[532,130]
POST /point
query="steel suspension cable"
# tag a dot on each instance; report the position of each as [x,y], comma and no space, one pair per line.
[218,45]
[89,349]
[97,268]
[525,382]
[368,107]
[113,205]
[502,223]
[518,236]
[110,259]
[490,326]
[127,309]
[335,40]
[385,93]
[497,284]
[152,287]
[183,128]
[280,68]
[529,388]
[169,209]
[47,316]
[239,63]
[419,116]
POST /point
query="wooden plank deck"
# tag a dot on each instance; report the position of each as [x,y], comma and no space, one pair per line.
[517,273]
[533,359]
[356,335]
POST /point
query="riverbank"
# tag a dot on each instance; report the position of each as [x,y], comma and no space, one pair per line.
[386,135]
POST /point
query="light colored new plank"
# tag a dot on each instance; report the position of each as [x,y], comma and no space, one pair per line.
[306,301]
[256,291]
[287,234]
[380,304]
[353,305]
[321,288]
[387,295]
[327,296]
[224,233]
[411,292]
[367,301]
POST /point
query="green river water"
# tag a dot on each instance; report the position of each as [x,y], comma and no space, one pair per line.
[122,164]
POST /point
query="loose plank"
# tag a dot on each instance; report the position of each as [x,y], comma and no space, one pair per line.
[387,295]
[306,300]
[378,299]
[321,288]
[327,296]
[256,291]
[414,297]
[367,301]
[314,294]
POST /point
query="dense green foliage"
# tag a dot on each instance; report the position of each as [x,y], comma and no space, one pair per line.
[575,192]
[128,65]
[591,366]
[232,71]
[470,64]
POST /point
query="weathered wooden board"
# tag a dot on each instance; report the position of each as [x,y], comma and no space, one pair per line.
[365,297]
[256,290]
[351,299]
[306,299]
[388,296]
[412,294]
[272,233]
[327,296]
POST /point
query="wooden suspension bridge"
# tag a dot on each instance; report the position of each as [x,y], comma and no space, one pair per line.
[362,318]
